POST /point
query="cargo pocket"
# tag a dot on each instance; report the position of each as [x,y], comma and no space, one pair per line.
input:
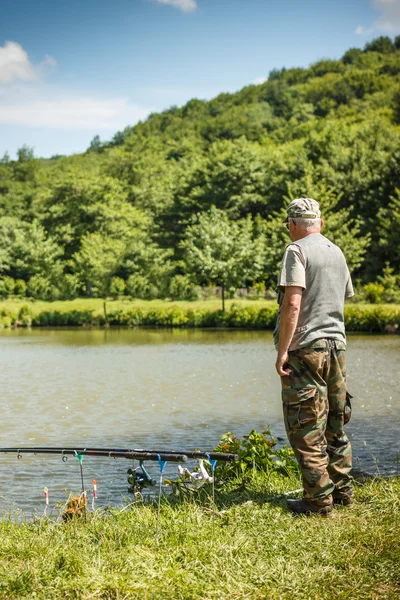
[347,408]
[299,408]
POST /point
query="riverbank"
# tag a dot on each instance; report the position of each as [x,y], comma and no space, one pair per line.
[250,547]
[250,314]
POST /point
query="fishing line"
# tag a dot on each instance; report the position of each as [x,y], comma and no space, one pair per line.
[162,464]
[213,462]
[80,458]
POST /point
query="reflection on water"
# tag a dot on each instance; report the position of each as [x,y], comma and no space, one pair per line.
[168,388]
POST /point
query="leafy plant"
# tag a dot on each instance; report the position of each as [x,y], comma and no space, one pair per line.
[256,452]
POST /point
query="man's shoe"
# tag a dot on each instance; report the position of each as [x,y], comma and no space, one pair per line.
[343,500]
[303,507]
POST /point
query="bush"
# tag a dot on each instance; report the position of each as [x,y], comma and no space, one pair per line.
[386,289]
[7,318]
[20,288]
[68,286]
[25,316]
[372,319]
[73,318]
[41,288]
[130,317]
[257,291]
[117,287]
[182,288]
[138,286]
[373,292]
[390,283]
[7,286]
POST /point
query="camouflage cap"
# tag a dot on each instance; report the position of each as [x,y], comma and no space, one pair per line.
[303,208]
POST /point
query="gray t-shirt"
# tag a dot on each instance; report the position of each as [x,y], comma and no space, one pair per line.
[318,266]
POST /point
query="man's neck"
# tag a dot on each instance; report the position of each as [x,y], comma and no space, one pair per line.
[300,234]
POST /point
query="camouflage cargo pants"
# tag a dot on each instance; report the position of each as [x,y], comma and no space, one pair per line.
[316,406]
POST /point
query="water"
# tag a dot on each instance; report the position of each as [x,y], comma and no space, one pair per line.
[169,389]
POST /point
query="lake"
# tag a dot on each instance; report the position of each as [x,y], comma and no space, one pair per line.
[172,389]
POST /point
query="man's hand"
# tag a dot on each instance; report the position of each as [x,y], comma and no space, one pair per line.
[280,361]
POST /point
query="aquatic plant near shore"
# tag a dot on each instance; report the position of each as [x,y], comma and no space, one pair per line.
[257,452]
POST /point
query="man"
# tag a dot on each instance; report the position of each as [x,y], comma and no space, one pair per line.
[310,339]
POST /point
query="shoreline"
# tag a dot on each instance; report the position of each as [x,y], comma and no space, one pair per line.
[250,315]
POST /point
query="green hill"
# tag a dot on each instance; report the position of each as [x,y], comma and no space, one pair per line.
[124,215]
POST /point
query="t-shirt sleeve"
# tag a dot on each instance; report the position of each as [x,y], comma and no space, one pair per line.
[293,272]
[349,286]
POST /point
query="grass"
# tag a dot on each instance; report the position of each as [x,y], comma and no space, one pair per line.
[250,548]
[97,304]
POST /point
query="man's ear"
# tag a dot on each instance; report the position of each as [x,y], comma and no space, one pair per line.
[322,223]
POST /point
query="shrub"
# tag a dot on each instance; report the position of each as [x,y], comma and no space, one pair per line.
[7,286]
[257,291]
[68,286]
[372,319]
[117,287]
[65,319]
[182,288]
[139,287]
[7,318]
[20,288]
[25,316]
[390,283]
[130,317]
[42,289]
[373,292]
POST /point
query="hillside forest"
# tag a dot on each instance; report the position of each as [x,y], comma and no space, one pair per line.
[195,196]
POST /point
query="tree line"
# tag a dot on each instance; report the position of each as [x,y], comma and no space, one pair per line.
[196,195]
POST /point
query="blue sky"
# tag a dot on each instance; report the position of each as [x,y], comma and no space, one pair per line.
[71,70]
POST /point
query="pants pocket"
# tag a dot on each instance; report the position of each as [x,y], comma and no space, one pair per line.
[347,408]
[299,408]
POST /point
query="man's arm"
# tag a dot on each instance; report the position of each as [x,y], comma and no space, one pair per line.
[288,322]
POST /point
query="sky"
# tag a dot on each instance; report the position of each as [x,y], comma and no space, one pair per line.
[73,70]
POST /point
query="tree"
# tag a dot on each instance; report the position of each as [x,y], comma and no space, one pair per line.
[97,261]
[82,204]
[382,44]
[223,251]
[388,232]
[27,250]
[25,153]
[96,145]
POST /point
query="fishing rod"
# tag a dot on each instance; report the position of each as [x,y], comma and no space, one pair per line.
[138,453]
[100,452]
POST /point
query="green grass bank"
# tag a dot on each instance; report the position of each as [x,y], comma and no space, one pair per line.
[250,547]
[250,314]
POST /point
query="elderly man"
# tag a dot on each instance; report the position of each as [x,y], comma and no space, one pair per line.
[310,338]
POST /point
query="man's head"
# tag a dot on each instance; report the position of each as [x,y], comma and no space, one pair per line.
[303,218]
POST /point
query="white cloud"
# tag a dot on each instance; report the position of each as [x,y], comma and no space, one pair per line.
[361,30]
[14,63]
[185,5]
[388,21]
[26,100]
[259,80]
[16,66]
[72,112]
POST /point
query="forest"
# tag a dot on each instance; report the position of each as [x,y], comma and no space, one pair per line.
[196,195]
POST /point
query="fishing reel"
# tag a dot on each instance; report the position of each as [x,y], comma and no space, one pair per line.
[139,478]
